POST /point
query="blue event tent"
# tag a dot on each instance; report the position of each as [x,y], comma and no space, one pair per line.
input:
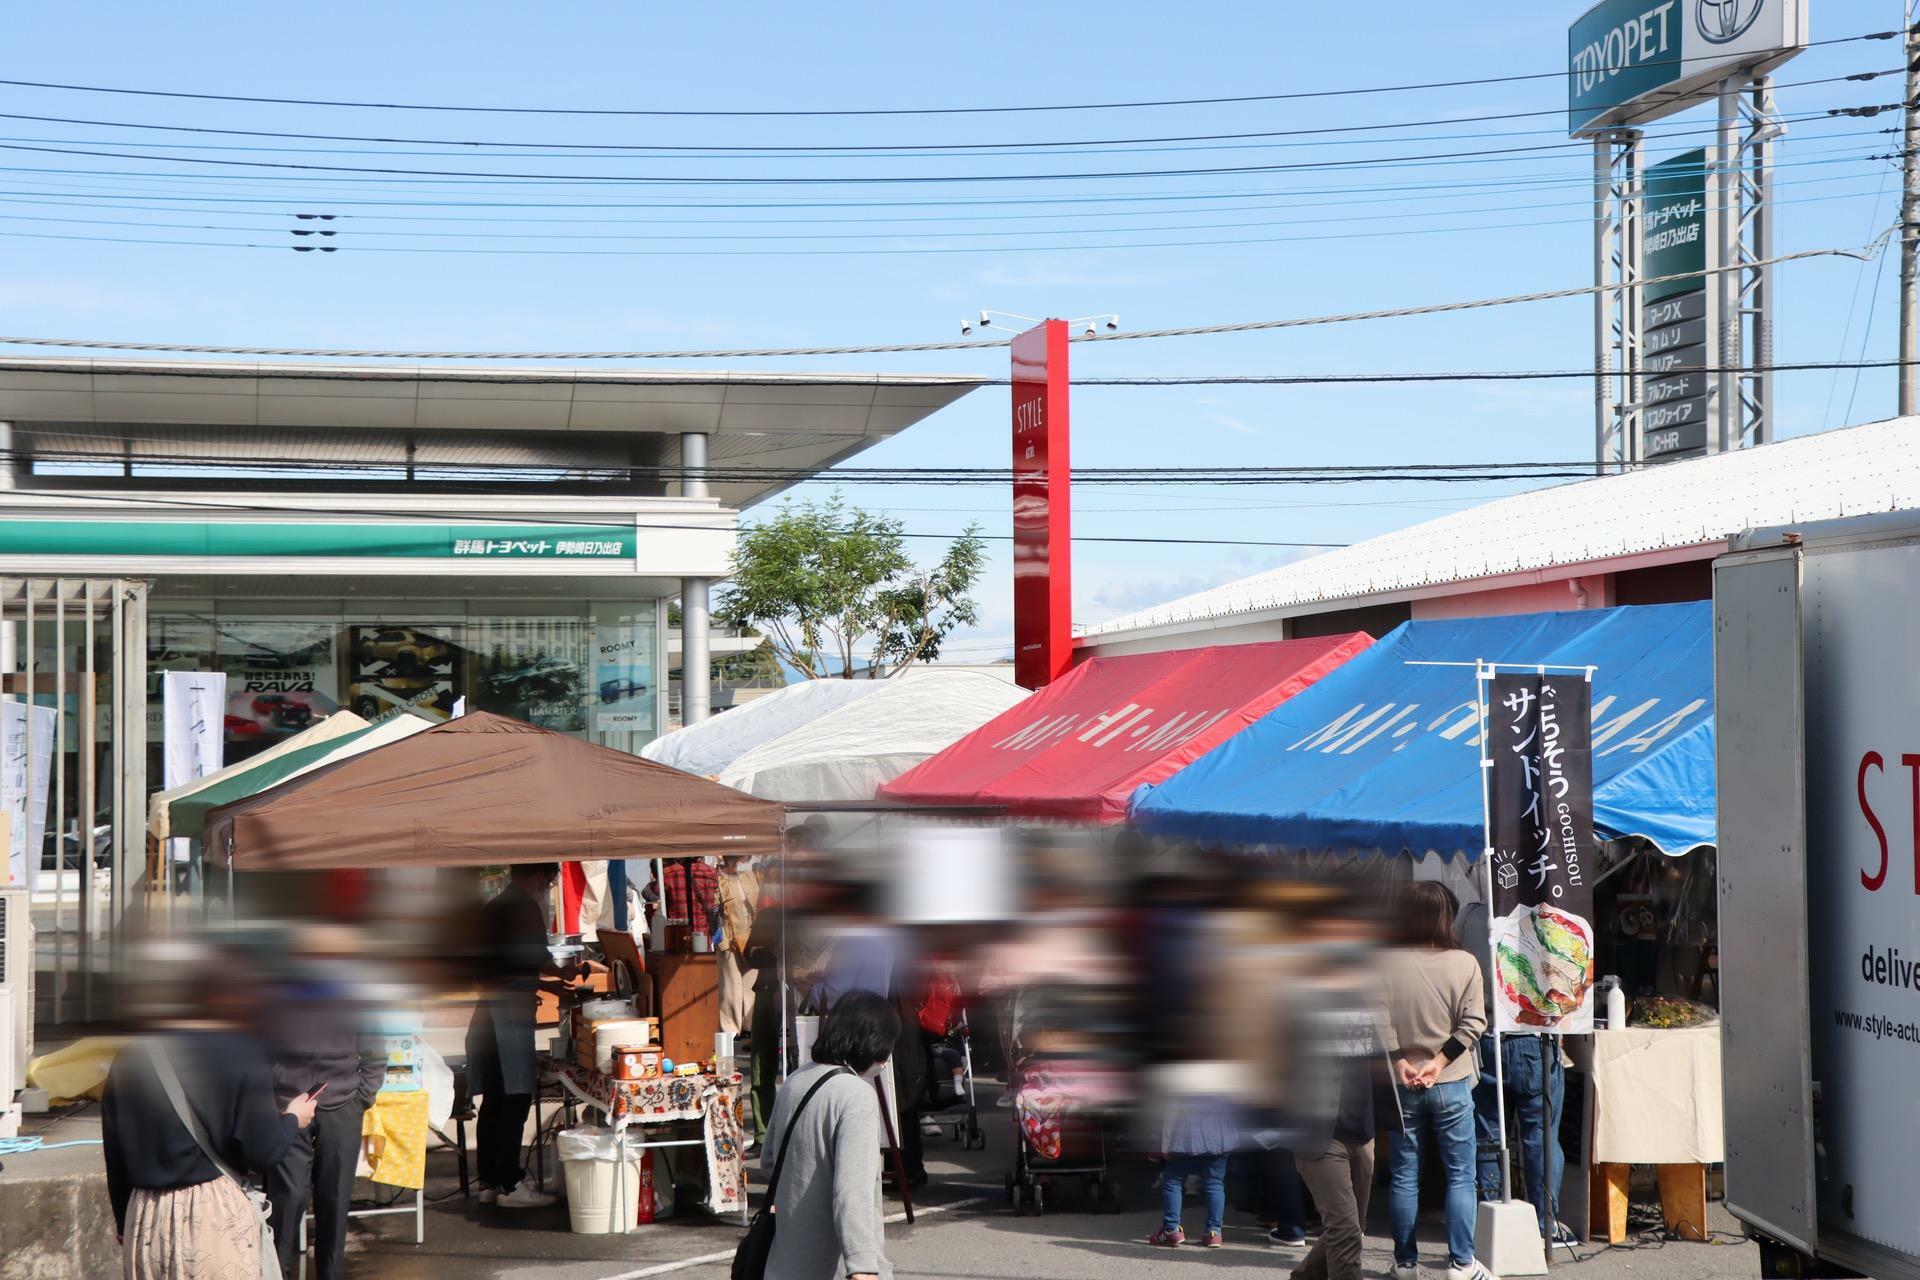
[1383,755]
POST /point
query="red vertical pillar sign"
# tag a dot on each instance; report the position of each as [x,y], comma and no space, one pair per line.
[1042,507]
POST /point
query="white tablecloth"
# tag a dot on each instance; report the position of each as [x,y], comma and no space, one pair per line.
[1657,1096]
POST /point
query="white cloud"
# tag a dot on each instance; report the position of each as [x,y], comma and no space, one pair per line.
[1108,596]
[1234,424]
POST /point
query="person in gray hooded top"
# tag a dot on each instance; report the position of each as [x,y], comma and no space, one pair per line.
[826,1209]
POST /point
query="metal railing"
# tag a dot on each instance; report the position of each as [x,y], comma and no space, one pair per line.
[73,661]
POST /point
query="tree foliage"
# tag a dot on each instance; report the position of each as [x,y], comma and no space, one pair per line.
[831,585]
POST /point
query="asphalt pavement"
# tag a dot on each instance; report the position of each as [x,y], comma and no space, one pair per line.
[966,1231]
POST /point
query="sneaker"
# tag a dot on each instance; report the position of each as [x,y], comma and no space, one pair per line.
[1563,1237]
[1405,1271]
[1213,1240]
[931,1128]
[1474,1270]
[525,1197]
[488,1195]
[1276,1237]
[1167,1238]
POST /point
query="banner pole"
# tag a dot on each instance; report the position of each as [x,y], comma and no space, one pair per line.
[1483,672]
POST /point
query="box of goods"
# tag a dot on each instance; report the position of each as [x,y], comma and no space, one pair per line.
[397,1033]
[631,1063]
[588,1019]
[618,1033]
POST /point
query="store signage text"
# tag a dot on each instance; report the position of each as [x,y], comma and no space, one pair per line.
[1875,764]
[1630,61]
[1133,727]
[1042,507]
[1643,723]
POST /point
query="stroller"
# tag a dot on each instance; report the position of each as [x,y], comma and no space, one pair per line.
[1068,1089]
[950,1103]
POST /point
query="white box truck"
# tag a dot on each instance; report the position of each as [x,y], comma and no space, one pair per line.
[1817,695]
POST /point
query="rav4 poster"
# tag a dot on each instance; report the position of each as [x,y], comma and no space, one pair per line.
[1540,833]
[281,676]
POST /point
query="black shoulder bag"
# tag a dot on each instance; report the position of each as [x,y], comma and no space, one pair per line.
[750,1259]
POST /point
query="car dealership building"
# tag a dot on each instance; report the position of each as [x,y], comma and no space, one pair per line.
[370,537]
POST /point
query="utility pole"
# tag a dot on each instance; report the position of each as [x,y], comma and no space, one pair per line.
[1910,227]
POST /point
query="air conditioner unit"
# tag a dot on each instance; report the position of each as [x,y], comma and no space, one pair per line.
[12,1076]
[16,990]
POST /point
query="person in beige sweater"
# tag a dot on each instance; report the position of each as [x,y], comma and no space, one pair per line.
[1437,1009]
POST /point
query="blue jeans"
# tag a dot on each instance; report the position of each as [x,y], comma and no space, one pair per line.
[1520,1059]
[1213,1177]
[1446,1112]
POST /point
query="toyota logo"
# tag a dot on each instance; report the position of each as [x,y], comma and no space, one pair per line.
[1724,21]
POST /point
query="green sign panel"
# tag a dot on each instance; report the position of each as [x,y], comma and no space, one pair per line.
[1673,226]
[425,540]
[1629,61]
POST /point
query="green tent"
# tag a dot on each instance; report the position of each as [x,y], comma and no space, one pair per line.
[188,815]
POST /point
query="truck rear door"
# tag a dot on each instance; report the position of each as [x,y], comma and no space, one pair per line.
[1764,1000]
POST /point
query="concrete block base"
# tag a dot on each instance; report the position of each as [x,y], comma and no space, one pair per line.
[1507,1239]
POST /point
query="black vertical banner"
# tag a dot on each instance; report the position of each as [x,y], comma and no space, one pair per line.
[1540,829]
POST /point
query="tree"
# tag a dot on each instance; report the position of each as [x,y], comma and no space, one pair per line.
[830,584]
[920,611]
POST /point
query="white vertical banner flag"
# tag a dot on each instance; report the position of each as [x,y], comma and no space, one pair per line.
[194,712]
[25,808]
[24,778]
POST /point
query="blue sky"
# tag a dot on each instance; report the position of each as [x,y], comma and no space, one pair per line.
[1360,236]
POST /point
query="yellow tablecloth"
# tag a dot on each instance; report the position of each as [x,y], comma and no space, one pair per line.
[1657,1096]
[397,1122]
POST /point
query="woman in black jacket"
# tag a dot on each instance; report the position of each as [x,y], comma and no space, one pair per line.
[179,1217]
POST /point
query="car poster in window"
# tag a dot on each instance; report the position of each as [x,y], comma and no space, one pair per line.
[532,669]
[174,643]
[623,678]
[398,666]
[282,676]
[1540,832]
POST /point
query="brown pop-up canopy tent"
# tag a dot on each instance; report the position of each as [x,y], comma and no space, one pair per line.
[484,790]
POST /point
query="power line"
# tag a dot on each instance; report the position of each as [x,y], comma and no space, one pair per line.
[817,180]
[84,198]
[1246,326]
[409,194]
[323,373]
[724,473]
[864,237]
[840,149]
[1561,74]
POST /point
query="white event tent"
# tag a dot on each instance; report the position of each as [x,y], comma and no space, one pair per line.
[847,753]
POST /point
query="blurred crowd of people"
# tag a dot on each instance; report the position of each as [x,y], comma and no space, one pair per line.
[1259,1035]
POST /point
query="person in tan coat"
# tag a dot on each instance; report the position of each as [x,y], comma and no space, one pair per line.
[1437,1010]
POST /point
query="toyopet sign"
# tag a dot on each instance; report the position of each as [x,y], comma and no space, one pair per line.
[1676,338]
[1630,61]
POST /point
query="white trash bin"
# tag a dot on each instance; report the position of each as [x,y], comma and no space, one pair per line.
[603,1190]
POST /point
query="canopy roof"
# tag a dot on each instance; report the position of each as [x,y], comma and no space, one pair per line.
[483,790]
[1081,746]
[708,747]
[1384,756]
[188,815]
[848,752]
[160,806]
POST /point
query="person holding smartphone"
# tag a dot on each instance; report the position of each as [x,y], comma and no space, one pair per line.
[322,1055]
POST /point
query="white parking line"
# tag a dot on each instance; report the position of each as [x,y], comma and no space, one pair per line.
[727,1256]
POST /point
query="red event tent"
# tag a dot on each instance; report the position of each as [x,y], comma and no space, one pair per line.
[1080,747]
